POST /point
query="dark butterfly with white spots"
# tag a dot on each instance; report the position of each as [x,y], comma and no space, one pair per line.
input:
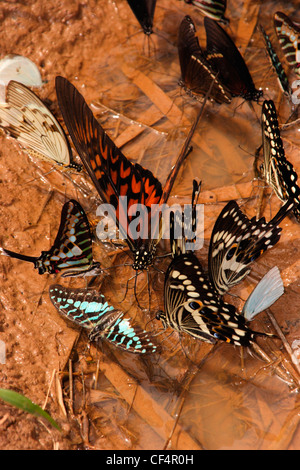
[71,253]
[288,34]
[226,60]
[237,241]
[277,65]
[27,119]
[214,9]
[116,179]
[277,170]
[90,310]
[144,13]
[197,74]
[192,302]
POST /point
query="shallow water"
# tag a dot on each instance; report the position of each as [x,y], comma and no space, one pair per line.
[193,395]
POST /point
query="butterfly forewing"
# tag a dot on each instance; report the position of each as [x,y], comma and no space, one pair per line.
[196,73]
[25,117]
[226,60]
[144,13]
[90,310]
[289,38]
[236,242]
[111,172]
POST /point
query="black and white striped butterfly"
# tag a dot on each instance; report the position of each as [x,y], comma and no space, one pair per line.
[26,118]
[288,34]
[277,170]
[214,9]
[90,310]
[71,253]
[192,298]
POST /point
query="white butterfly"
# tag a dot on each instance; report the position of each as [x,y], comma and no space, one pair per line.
[267,291]
[25,117]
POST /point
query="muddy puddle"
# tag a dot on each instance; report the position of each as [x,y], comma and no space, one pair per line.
[192,395]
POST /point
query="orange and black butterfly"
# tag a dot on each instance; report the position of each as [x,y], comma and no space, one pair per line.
[115,177]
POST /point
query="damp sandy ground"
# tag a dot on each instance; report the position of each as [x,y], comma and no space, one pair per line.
[192,395]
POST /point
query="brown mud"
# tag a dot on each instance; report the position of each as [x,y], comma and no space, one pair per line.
[193,395]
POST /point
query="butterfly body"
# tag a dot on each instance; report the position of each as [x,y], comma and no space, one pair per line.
[277,170]
[289,38]
[25,118]
[90,310]
[71,253]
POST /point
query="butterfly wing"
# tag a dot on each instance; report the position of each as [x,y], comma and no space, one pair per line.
[19,68]
[289,38]
[144,13]
[192,306]
[278,171]
[83,307]
[214,9]
[71,252]
[90,310]
[25,117]
[236,242]
[123,334]
[196,73]
[282,77]
[226,60]
[267,291]
[113,175]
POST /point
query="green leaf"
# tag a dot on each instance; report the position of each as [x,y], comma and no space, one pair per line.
[18,400]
